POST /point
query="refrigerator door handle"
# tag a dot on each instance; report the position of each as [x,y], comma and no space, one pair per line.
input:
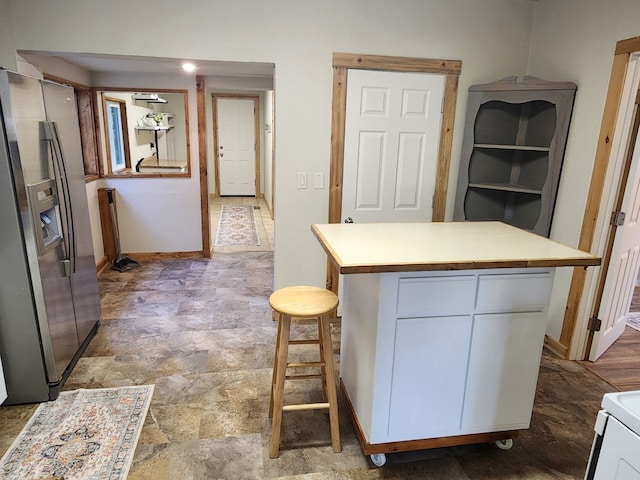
[51,135]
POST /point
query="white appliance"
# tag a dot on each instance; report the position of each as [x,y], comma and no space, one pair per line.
[614,454]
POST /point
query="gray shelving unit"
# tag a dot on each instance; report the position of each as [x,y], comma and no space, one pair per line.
[512,151]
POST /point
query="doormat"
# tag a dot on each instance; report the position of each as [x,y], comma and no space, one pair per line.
[633,320]
[84,434]
[237,227]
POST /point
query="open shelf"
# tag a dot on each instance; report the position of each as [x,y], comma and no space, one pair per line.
[505,187]
[513,146]
[148,97]
[156,128]
[523,148]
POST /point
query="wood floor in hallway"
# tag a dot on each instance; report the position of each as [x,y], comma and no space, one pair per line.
[620,365]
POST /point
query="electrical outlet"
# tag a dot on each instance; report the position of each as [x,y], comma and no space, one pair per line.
[302,180]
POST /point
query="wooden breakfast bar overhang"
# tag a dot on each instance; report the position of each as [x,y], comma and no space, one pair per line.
[442,329]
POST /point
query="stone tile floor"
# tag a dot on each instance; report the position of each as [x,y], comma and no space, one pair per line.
[201,331]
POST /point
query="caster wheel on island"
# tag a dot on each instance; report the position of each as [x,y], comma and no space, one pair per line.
[378,459]
[504,444]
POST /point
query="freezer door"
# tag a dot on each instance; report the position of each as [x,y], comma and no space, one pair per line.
[32,164]
[61,110]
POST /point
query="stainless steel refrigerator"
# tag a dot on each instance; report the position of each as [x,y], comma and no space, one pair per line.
[49,302]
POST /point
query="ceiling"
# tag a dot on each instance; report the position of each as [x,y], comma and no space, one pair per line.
[133,64]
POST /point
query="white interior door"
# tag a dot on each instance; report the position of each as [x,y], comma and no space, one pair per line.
[623,266]
[236,146]
[392,136]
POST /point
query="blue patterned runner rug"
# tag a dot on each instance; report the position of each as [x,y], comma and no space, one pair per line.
[83,435]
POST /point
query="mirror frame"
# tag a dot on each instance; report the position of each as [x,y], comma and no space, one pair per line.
[99,95]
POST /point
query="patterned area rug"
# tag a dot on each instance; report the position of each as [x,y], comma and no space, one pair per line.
[633,320]
[83,435]
[237,227]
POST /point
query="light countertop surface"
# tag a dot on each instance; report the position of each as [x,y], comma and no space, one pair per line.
[399,247]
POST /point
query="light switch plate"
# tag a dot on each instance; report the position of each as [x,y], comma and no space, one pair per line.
[318,180]
[302,180]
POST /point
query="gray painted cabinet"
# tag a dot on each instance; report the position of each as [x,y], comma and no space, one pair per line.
[512,151]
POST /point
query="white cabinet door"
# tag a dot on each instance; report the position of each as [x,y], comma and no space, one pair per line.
[428,377]
[503,371]
[618,458]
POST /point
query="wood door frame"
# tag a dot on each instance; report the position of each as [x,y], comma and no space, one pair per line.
[569,333]
[124,126]
[207,249]
[256,127]
[342,62]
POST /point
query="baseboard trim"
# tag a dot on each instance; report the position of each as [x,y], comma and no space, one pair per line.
[146,256]
[556,347]
[102,264]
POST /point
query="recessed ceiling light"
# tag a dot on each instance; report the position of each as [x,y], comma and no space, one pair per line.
[188,67]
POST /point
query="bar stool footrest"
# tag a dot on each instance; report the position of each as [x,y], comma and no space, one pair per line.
[311,341]
[305,406]
[305,364]
[303,377]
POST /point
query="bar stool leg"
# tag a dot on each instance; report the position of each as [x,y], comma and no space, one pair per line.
[323,370]
[331,384]
[278,389]
[278,318]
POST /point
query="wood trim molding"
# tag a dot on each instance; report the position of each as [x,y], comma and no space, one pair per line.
[339,101]
[202,165]
[397,64]
[125,128]
[342,62]
[628,46]
[444,152]
[71,83]
[596,187]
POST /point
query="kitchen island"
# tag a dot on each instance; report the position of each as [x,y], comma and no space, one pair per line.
[442,329]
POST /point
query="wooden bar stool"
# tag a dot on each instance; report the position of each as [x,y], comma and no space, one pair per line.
[303,302]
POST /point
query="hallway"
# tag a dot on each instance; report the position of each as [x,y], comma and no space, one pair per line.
[264,223]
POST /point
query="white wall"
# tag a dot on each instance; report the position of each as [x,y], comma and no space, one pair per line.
[491,37]
[159,214]
[574,40]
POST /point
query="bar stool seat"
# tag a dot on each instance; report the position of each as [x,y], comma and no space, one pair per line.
[295,303]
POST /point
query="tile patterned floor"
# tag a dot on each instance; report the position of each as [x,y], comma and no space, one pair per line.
[201,331]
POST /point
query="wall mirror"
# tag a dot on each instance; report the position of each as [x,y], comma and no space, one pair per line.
[144,133]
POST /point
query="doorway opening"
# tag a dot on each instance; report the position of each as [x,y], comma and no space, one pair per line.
[605,294]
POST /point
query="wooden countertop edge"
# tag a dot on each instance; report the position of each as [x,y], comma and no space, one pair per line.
[474,265]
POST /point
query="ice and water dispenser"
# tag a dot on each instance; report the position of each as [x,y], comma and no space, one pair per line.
[45,210]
